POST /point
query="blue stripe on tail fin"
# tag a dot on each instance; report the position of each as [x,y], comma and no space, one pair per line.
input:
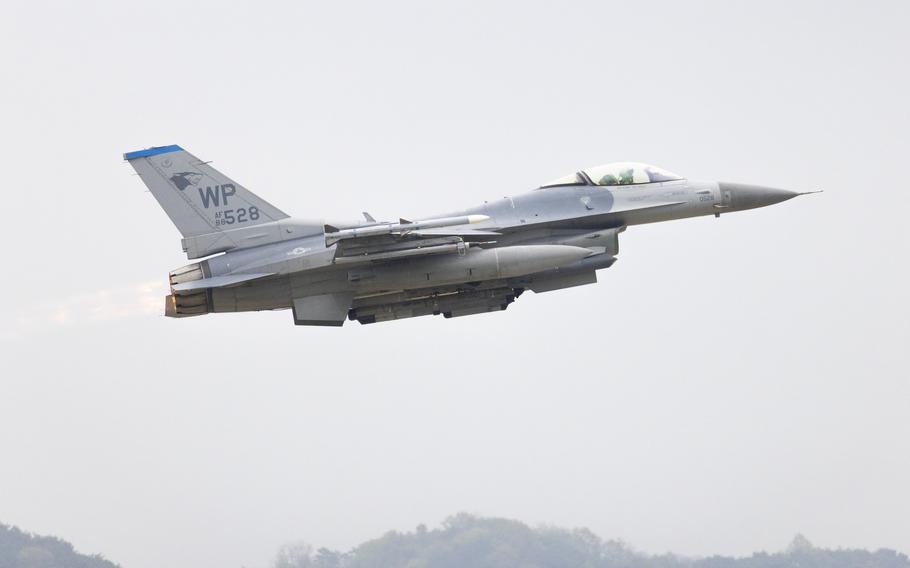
[154,151]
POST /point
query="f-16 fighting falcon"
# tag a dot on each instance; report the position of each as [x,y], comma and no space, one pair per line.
[478,260]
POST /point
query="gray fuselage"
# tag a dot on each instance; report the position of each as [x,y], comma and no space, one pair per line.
[575,215]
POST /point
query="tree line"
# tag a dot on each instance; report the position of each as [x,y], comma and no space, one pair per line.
[19,549]
[466,541]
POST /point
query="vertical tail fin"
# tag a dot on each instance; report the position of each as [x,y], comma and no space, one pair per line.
[198,198]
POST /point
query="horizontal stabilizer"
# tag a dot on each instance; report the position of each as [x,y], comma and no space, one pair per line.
[218,282]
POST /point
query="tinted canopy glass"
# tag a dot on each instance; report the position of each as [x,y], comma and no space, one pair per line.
[617,173]
[628,173]
[571,179]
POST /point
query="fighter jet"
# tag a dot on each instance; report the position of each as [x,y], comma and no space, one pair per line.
[253,256]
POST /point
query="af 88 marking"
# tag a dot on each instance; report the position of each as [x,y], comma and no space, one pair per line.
[241,215]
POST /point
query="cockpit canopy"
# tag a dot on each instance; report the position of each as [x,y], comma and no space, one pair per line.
[617,173]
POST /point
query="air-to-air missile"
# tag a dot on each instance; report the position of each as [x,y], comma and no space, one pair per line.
[252,256]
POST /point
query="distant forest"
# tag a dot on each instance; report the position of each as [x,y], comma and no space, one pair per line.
[466,541]
[20,549]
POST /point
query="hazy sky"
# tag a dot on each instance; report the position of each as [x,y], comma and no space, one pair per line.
[727,384]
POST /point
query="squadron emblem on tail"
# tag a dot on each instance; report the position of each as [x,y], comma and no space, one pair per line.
[185,179]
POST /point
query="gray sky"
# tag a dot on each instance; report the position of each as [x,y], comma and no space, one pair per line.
[725,385]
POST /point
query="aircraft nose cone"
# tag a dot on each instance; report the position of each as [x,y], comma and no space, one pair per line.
[744,196]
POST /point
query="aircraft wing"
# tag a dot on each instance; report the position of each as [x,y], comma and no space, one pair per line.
[386,241]
[368,249]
